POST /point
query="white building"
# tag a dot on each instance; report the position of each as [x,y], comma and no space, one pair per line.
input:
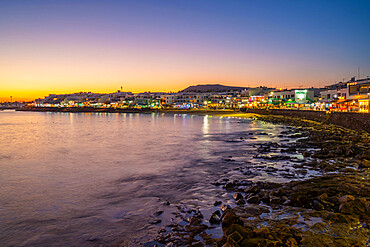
[185,99]
[299,96]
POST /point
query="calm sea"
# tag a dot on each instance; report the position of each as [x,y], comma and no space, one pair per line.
[91,179]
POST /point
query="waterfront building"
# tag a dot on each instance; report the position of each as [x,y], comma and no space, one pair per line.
[293,98]
[359,92]
[186,100]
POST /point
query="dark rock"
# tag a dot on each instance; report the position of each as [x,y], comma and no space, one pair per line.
[215,217]
[358,206]
[156,221]
[262,232]
[364,164]
[275,200]
[229,186]
[252,189]
[240,201]
[224,207]
[284,199]
[217,203]
[346,198]
[323,197]
[229,218]
[306,154]
[234,237]
[158,213]
[245,232]
[317,205]
[238,196]
[281,192]
[254,199]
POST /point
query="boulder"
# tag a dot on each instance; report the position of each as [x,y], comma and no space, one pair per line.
[229,218]
[275,200]
[346,198]
[215,217]
[240,201]
[254,199]
[224,207]
[238,196]
[217,203]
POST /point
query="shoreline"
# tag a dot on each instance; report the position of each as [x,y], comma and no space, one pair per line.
[331,209]
[355,121]
[113,110]
[326,210]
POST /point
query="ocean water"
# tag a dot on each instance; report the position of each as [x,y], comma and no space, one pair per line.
[97,179]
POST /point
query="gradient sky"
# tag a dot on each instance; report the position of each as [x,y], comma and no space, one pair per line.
[157,45]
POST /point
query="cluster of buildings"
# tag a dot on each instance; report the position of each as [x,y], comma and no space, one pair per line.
[352,95]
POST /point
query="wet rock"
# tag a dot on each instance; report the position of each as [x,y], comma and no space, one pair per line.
[229,218]
[271,169]
[306,154]
[281,192]
[346,199]
[240,201]
[155,221]
[238,196]
[215,217]
[234,237]
[262,232]
[291,242]
[284,199]
[254,199]
[224,207]
[275,200]
[317,205]
[364,164]
[358,206]
[229,186]
[92,239]
[217,183]
[252,189]
[245,232]
[323,197]
[158,213]
[254,242]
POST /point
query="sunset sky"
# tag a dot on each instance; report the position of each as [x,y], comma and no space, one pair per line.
[156,45]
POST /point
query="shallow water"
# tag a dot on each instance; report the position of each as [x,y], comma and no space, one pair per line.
[89,179]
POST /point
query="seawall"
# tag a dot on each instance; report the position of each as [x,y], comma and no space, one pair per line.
[357,121]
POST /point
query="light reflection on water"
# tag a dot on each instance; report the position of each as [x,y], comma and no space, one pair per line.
[96,179]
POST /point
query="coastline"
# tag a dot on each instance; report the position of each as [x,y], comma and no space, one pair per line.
[355,121]
[113,110]
[327,210]
[331,209]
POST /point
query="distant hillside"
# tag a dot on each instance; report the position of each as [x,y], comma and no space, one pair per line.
[212,88]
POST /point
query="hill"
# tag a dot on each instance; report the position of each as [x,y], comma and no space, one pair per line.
[212,88]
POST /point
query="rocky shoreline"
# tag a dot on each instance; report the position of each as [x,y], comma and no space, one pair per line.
[331,209]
